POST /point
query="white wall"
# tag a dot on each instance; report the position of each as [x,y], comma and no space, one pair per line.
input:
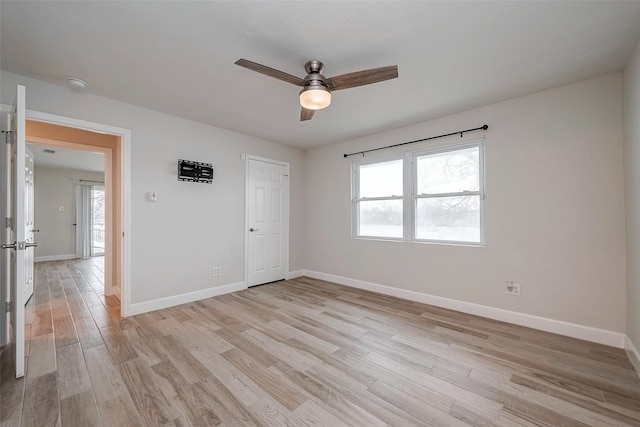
[176,241]
[4,238]
[55,188]
[632,193]
[554,210]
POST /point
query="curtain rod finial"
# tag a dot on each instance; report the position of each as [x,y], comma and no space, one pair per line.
[485,127]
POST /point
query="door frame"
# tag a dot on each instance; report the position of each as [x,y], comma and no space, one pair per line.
[247,158]
[125,180]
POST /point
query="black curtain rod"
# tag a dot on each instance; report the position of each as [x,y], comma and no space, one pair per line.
[461,132]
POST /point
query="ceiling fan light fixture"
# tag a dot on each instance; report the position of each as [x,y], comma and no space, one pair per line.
[315,97]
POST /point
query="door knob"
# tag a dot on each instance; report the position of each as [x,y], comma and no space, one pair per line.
[30,245]
[253,229]
[9,246]
[35,231]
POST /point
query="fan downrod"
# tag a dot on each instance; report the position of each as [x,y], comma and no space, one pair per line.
[314,67]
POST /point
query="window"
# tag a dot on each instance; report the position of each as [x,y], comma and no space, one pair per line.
[439,200]
[380,198]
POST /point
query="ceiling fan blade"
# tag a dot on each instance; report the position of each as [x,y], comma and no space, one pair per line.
[361,78]
[306,114]
[271,72]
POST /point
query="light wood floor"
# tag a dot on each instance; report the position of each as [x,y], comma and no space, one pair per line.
[299,352]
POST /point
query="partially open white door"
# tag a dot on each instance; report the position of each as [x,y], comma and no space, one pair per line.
[29,223]
[18,244]
[267,213]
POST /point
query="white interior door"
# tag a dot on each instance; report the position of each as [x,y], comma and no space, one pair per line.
[17,236]
[29,223]
[267,214]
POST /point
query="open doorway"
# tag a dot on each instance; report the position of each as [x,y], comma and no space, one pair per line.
[106,237]
[69,202]
[90,218]
[69,212]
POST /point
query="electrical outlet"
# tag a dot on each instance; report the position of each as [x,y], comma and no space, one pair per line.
[513,288]
[217,271]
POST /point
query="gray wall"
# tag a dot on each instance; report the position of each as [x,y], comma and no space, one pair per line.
[632,192]
[554,210]
[176,241]
[55,188]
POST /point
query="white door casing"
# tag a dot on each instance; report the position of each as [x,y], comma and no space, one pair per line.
[17,238]
[267,220]
[125,181]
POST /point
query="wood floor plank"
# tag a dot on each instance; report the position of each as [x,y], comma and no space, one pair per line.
[239,384]
[79,410]
[11,389]
[380,408]
[213,390]
[73,377]
[332,401]
[426,413]
[152,406]
[314,415]
[41,404]
[42,356]
[88,333]
[300,360]
[42,322]
[177,390]
[289,396]
[247,346]
[64,331]
[188,366]
[105,376]
[79,309]
[119,412]
[298,352]
[273,413]
[121,350]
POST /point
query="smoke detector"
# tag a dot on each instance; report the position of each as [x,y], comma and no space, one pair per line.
[76,83]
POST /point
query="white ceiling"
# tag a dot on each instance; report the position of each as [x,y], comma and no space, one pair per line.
[66,158]
[177,57]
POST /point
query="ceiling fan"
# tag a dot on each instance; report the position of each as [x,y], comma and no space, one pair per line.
[316,88]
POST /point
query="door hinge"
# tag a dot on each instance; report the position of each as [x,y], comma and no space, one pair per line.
[8,222]
[7,136]
[8,306]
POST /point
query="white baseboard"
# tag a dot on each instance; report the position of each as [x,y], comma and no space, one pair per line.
[632,353]
[55,258]
[587,333]
[166,302]
[295,274]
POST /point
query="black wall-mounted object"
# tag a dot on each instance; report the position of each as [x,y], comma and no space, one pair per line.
[195,171]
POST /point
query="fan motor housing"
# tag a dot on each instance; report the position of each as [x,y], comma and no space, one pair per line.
[314,77]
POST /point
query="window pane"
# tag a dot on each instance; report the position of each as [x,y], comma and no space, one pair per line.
[97,220]
[380,218]
[448,218]
[451,172]
[381,179]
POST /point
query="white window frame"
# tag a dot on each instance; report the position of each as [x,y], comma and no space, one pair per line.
[356,199]
[410,198]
